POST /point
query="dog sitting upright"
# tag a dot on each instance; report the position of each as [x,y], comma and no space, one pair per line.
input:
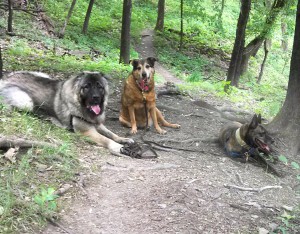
[138,98]
[244,140]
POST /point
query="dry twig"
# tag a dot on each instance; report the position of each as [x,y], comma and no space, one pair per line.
[253,189]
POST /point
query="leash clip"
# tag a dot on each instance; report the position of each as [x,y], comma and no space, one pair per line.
[247,155]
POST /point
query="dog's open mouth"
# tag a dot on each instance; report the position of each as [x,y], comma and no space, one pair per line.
[262,146]
[144,84]
[96,109]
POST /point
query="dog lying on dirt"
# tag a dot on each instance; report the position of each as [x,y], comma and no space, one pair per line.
[245,140]
[138,99]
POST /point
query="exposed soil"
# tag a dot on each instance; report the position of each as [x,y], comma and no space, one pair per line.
[181,191]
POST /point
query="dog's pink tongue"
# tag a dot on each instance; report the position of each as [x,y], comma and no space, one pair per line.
[96,109]
[143,86]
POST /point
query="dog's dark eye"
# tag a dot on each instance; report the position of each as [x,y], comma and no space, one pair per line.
[147,66]
[139,68]
[86,86]
[99,86]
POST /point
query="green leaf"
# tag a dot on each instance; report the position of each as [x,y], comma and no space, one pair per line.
[283,159]
[51,190]
[52,205]
[39,200]
[295,165]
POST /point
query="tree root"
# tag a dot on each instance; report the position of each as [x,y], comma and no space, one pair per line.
[222,114]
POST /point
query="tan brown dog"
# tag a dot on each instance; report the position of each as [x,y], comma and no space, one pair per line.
[138,98]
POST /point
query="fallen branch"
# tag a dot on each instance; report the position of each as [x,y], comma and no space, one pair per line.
[6,142]
[252,189]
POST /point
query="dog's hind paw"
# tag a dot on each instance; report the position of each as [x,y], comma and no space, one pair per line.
[176,126]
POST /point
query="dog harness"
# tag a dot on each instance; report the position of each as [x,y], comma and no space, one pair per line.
[247,150]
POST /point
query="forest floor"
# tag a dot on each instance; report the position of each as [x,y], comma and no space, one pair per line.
[182,191]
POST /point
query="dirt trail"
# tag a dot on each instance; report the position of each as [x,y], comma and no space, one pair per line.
[146,49]
[180,191]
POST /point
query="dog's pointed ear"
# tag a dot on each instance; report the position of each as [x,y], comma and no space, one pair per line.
[259,118]
[151,61]
[134,63]
[254,122]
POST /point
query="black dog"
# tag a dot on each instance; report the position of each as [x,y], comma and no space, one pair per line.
[244,140]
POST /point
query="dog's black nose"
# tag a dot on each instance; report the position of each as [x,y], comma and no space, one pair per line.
[144,74]
[96,97]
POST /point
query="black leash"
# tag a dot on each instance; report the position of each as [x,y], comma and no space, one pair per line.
[146,110]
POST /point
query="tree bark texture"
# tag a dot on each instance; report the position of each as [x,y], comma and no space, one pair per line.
[286,122]
[125,33]
[62,31]
[1,64]
[10,16]
[87,17]
[236,56]
[262,67]
[160,15]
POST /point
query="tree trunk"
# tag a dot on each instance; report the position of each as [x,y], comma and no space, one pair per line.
[87,17]
[62,31]
[125,33]
[286,122]
[181,25]
[235,62]
[284,41]
[1,64]
[160,15]
[220,24]
[10,16]
[252,48]
[264,61]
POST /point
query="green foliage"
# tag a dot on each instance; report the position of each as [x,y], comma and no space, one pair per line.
[289,219]
[46,199]
[283,159]
[24,204]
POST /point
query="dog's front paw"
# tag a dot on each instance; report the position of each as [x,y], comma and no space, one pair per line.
[115,147]
[161,131]
[123,140]
[133,130]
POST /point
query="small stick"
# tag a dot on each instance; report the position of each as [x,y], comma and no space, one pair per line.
[239,207]
[239,178]
[56,224]
[252,189]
